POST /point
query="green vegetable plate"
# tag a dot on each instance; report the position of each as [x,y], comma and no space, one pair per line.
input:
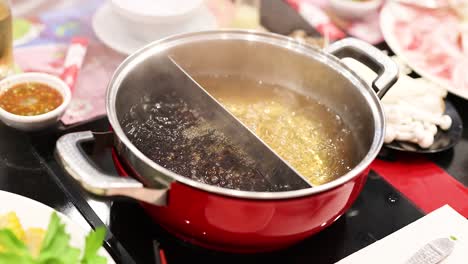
[33,233]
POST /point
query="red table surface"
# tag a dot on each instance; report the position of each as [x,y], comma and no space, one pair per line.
[424,183]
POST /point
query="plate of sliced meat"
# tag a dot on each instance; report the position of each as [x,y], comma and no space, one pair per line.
[433,42]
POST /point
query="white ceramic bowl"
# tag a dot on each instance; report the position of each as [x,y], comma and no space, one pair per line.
[30,123]
[354,10]
[156,12]
[147,19]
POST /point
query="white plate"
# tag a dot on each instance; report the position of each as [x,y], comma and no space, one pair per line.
[387,22]
[110,29]
[34,214]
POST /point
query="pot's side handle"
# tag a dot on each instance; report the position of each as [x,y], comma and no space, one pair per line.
[74,161]
[372,57]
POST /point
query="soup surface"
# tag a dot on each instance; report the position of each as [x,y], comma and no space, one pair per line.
[31,98]
[176,136]
[307,134]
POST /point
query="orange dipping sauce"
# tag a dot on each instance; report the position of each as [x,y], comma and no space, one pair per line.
[29,99]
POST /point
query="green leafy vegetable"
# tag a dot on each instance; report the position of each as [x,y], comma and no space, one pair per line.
[13,250]
[93,244]
[16,259]
[10,243]
[55,248]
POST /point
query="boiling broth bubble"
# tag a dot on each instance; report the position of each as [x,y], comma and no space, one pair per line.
[177,138]
[305,133]
[308,135]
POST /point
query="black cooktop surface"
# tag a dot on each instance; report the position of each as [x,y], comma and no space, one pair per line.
[378,211]
[28,167]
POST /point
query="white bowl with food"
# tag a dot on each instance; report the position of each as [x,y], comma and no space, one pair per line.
[32,101]
[355,9]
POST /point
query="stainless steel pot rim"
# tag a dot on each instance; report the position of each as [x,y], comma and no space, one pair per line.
[247,35]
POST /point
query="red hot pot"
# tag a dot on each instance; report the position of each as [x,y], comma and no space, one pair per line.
[226,219]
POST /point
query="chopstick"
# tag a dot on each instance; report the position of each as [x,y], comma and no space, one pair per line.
[159,256]
[74,60]
[163,257]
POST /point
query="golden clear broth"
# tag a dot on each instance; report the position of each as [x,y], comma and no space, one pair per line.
[307,134]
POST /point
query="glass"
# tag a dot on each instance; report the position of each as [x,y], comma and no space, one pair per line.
[6,39]
[246,14]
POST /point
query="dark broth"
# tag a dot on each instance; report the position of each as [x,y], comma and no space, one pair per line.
[176,137]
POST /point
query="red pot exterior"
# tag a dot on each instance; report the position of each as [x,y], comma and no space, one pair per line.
[244,225]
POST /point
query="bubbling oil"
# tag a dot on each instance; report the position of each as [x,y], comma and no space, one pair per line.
[310,136]
[176,136]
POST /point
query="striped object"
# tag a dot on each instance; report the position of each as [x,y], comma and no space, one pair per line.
[74,60]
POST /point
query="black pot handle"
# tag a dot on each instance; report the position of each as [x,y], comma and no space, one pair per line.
[376,60]
[73,159]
